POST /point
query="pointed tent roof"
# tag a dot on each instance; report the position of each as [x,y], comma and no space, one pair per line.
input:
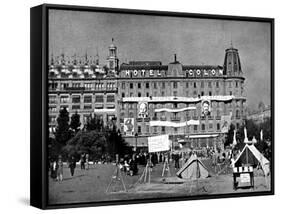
[193,169]
[254,158]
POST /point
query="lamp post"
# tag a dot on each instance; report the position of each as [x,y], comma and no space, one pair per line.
[136,141]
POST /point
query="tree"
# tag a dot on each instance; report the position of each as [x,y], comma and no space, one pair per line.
[91,142]
[75,122]
[62,134]
[94,124]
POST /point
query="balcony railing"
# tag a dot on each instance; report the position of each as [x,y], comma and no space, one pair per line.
[75,88]
[175,119]
[146,119]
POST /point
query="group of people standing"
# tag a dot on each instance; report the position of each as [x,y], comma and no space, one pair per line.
[56,167]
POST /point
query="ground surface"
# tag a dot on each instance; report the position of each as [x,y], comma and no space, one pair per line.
[91,185]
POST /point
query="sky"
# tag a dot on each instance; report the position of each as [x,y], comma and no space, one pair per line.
[143,37]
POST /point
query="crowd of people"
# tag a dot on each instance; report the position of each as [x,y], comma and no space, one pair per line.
[129,163]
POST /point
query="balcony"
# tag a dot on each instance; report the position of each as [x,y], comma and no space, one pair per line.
[146,119]
[75,88]
[175,119]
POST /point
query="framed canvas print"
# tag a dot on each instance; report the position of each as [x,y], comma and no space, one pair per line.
[131,106]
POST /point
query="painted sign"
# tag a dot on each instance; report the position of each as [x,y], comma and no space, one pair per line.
[142,110]
[205,107]
[225,123]
[129,124]
[158,143]
[204,72]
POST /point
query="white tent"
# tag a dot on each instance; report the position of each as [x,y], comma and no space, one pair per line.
[193,169]
[250,155]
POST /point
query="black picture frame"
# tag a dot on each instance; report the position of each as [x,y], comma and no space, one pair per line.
[39,104]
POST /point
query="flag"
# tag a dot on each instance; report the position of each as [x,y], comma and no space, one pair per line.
[234,138]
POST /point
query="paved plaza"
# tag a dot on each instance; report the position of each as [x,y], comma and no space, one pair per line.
[90,185]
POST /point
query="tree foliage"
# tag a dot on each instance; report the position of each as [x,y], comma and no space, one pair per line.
[97,141]
[94,123]
[63,133]
[91,142]
[75,122]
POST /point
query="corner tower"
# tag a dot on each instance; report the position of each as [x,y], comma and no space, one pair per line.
[232,64]
[112,60]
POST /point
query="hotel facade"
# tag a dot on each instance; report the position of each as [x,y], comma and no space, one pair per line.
[193,104]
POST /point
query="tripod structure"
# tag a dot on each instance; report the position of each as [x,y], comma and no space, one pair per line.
[166,168]
[115,179]
[145,176]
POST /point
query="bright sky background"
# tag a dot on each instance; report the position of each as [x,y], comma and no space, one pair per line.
[142,37]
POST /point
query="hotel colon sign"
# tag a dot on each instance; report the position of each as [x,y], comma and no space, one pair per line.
[193,104]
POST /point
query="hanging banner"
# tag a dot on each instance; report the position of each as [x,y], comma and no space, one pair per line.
[173,124]
[129,124]
[175,110]
[225,123]
[205,107]
[142,110]
[158,143]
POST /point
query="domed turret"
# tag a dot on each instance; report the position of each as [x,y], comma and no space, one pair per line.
[112,60]
[232,65]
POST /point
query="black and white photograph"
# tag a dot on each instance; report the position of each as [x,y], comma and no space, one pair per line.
[145,106]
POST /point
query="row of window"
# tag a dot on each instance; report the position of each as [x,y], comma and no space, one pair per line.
[86,99]
[78,107]
[175,84]
[96,86]
[188,116]
[175,130]
[236,103]
[174,93]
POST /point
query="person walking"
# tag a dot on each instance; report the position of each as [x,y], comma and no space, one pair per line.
[177,161]
[82,161]
[54,168]
[60,169]
[87,162]
[72,165]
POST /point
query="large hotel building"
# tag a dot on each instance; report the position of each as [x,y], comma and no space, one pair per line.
[193,104]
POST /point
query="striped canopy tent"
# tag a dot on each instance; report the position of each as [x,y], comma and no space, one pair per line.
[250,155]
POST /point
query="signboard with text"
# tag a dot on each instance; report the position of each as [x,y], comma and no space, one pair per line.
[158,143]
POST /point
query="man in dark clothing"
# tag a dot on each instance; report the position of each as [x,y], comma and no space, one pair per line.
[72,165]
[177,159]
[82,161]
